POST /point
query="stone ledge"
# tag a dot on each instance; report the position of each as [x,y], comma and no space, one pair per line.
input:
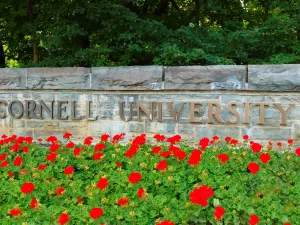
[127,78]
[59,78]
[13,78]
[205,78]
[274,77]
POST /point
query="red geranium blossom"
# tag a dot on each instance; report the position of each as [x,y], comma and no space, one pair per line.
[166,222]
[27,187]
[204,143]
[102,183]
[63,219]
[76,151]
[174,139]
[287,224]
[141,192]
[70,145]
[201,195]
[265,157]
[4,164]
[15,212]
[69,170]
[3,156]
[99,147]
[79,199]
[159,137]
[290,141]
[246,137]
[104,137]
[54,147]
[88,140]
[156,149]
[223,157]
[10,174]
[18,161]
[162,165]
[67,135]
[253,220]
[253,167]
[123,201]
[227,139]
[118,164]
[195,157]
[51,157]
[59,191]
[256,147]
[219,212]
[95,213]
[25,149]
[134,177]
[42,167]
[297,151]
[98,156]
[33,203]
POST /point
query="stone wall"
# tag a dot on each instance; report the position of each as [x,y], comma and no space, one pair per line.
[106,87]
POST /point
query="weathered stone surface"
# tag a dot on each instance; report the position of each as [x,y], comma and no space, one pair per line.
[274,77]
[43,124]
[59,78]
[221,131]
[127,78]
[205,78]
[268,133]
[13,78]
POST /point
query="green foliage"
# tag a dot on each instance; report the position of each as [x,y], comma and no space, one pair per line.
[144,32]
[272,193]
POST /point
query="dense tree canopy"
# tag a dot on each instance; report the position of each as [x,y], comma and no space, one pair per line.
[147,32]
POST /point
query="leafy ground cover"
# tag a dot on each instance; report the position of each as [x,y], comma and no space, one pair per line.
[159,180]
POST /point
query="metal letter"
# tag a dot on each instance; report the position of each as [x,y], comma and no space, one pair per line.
[261,105]
[73,112]
[43,107]
[20,106]
[234,112]
[88,110]
[159,112]
[121,111]
[30,106]
[172,110]
[61,109]
[192,112]
[3,116]
[216,114]
[284,112]
[247,113]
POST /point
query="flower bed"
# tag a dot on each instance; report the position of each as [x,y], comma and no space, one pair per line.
[161,181]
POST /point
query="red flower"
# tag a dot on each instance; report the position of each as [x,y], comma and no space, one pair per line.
[179,154]
[95,213]
[223,157]
[253,220]
[51,139]
[104,137]
[98,156]
[10,174]
[166,222]
[33,203]
[123,201]
[264,157]
[59,191]
[204,143]
[141,192]
[253,167]
[25,149]
[51,157]
[159,137]
[2,156]
[15,212]
[27,187]
[166,154]
[99,147]
[195,157]
[162,165]
[134,177]
[88,140]
[18,161]
[246,137]
[67,135]
[287,224]
[131,151]
[201,195]
[256,147]
[69,170]
[54,147]
[227,139]
[279,144]
[70,145]
[15,147]
[76,151]
[102,183]
[42,167]
[63,219]
[4,164]
[216,138]
[79,199]
[118,164]
[156,149]
[290,141]
[219,212]
[174,139]
[297,151]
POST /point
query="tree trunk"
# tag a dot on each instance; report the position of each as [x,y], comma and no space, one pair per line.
[2,56]
[35,50]
[34,43]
